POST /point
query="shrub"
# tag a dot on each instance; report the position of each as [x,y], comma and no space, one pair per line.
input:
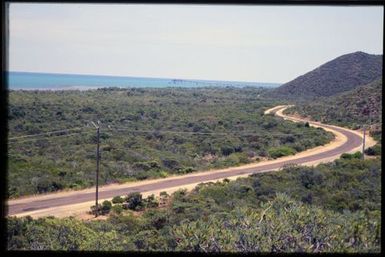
[134,201]
[117,199]
[164,194]
[186,170]
[95,210]
[106,207]
[276,152]
[157,219]
[356,155]
[374,150]
[141,175]
[151,202]
[171,164]
[310,178]
[163,174]
[163,197]
[117,208]
[227,150]
[146,165]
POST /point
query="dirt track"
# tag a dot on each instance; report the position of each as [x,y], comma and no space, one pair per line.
[76,203]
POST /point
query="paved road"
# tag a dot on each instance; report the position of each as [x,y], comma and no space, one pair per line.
[353,141]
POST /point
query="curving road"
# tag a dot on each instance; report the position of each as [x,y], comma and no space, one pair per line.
[52,204]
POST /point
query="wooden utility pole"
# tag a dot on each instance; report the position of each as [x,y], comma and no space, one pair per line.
[363,144]
[97,167]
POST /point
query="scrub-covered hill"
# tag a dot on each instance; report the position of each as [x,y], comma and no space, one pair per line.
[354,108]
[336,76]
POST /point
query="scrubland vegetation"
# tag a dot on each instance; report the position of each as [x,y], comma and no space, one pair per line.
[332,207]
[221,127]
[353,109]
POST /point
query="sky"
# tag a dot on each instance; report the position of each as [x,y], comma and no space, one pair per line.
[227,42]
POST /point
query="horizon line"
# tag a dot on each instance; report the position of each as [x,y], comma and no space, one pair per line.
[127,76]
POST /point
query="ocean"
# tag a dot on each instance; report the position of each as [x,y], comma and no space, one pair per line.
[51,81]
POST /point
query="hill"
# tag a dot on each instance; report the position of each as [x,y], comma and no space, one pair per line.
[339,75]
[362,105]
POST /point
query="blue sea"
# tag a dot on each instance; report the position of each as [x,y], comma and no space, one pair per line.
[51,81]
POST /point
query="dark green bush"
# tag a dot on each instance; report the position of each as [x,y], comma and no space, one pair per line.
[117,199]
[106,207]
[374,150]
[134,201]
[95,210]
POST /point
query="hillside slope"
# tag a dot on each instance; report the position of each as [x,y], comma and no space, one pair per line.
[362,105]
[339,75]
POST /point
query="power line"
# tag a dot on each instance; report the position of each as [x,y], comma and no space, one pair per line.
[49,138]
[130,130]
[170,131]
[202,133]
[47,133]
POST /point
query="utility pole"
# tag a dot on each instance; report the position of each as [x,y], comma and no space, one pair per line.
[363,143]
[97,166]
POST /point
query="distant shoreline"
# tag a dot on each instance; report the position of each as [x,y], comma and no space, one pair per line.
[46,81]
[127,88]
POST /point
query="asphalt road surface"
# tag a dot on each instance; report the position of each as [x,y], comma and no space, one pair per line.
[353,141]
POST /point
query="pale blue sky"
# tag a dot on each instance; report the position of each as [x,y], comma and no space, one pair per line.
[242,43]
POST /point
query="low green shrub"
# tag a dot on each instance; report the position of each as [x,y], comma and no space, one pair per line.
[276,152]
[117,208]
[117,199]
[356,155]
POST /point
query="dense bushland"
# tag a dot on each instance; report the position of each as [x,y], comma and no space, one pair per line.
[332,207]
[221,127]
